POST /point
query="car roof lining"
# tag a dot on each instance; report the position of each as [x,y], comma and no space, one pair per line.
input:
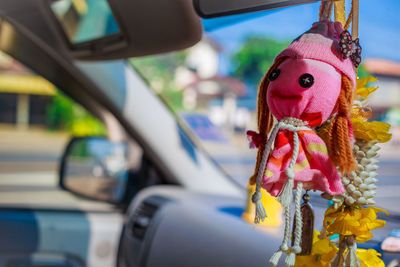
[174,25]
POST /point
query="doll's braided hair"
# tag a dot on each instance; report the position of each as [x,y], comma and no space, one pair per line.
[338,142]
[264,116]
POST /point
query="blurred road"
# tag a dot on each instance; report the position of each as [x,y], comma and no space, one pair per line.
[31,158]
[29,163]
[29,166]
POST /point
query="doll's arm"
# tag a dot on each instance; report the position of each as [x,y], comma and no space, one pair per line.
[281,151]
[319,159]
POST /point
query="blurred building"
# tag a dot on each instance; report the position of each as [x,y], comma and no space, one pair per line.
[386,102]
[204,89]
[388,74]
[23,95]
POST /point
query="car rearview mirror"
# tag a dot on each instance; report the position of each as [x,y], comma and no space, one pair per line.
[220,8]
[115,29]
[87,24]
[95,168]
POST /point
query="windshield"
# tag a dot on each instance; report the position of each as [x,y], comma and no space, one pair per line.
[213,85]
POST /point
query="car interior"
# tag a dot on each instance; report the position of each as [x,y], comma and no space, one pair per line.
[40,46]
[169,203]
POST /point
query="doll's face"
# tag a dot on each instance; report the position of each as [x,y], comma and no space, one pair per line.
[305,89]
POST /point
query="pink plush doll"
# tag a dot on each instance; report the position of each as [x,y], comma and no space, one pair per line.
[308,84]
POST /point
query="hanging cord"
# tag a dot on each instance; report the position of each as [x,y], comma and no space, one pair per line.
[325,13]
[296,249]
[349,19]
[286,196]
[354,25]
[294,125]
[353,19]
[338,260]
[340,11]
[285,242]
[325,10]
[256,198]
[351,259]
[321,10]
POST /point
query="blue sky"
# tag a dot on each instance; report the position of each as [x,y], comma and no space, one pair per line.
[379,28]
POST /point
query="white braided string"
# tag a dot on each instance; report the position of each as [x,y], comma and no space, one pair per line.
[256,198]
[296,249]
[285,242]
[286,195]
[267,150]
[294,125]
[299,221]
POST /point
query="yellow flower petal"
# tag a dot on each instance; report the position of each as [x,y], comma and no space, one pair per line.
[309,260]
[316,236]
[369,258]
[365,91]
[322,253]
[379,210]
[369,131]
[364,237]
[358,222]
[364,81]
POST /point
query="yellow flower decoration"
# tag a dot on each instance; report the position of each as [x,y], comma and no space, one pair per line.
[369,131]
[358,222]
[350,221]
[369,258]
[363,129]
[362,89]
[322,252]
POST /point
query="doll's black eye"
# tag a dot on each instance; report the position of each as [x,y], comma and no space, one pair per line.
[274,75]
[306,80]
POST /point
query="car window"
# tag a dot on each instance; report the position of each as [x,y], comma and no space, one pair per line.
[191,84]
[213,85]
[37,121]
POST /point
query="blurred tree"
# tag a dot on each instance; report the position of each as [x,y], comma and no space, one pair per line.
[66,115]
[60,112]
[255,57]
[159,71]
[362,72]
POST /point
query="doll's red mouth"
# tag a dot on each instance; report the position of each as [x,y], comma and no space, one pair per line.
[286,97]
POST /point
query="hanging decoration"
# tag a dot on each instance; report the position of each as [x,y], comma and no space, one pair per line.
[314,134]
[350,216]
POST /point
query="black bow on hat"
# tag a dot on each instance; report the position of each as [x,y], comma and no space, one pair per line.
[350,48]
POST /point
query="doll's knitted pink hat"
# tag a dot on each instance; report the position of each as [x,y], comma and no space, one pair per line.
[321,43]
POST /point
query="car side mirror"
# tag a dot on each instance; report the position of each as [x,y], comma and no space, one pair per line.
[95,168]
